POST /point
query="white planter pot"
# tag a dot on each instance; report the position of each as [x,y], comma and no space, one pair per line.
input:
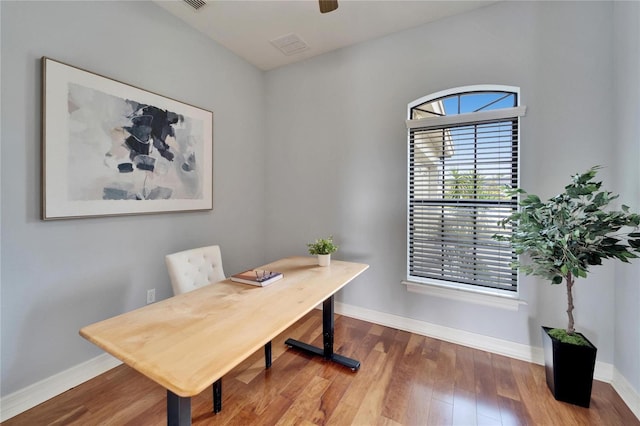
[324,259]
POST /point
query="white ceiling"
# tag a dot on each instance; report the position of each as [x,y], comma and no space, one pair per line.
[246,27]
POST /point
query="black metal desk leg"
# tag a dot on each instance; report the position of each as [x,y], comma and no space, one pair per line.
[267,355]
[217,396]
[178,410]
[327,327]
[327,339]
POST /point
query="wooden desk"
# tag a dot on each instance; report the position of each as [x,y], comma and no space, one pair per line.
[188,342]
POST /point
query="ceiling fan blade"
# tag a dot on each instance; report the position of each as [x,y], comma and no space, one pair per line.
[328,5]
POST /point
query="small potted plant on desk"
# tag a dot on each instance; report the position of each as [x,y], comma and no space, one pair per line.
[563,237]
[323,247]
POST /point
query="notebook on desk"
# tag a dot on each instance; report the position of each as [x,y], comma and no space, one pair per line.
[257,277]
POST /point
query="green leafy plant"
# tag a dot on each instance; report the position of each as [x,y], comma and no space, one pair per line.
[570,232]
[322,246]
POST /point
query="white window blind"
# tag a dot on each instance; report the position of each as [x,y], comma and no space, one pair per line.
[458,167]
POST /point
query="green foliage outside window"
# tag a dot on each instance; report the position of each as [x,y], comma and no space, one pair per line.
[470,185]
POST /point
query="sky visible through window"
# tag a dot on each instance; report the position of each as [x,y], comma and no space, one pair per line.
[481,101]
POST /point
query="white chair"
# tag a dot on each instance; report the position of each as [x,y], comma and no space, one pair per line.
[194,268]
[191,269]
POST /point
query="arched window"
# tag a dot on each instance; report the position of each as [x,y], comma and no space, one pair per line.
[463,150]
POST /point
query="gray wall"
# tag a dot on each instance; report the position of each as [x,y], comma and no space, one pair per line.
[627,133]
[338,120]
[58,276]
[335,163]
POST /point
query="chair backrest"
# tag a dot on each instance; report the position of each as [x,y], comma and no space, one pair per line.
[194,268]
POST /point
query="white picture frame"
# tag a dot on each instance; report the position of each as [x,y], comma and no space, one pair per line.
[109,148]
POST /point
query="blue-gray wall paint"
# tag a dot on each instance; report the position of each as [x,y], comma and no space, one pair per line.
[338,119]
[626,46]
[320,147]
[60,275]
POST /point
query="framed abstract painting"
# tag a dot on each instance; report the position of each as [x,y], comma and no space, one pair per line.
[109,148]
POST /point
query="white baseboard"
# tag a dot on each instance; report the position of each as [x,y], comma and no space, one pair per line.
[26,398]
[626,392]
[460,337]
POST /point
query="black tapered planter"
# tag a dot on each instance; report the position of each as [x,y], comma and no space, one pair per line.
[569,369]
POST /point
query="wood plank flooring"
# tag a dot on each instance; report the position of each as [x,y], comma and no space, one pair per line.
[405,379]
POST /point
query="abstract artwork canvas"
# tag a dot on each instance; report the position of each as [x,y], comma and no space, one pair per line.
[109,148]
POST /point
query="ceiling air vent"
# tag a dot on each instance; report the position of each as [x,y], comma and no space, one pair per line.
[290,44]
[196,4]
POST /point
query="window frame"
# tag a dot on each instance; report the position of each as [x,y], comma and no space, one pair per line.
[413,282]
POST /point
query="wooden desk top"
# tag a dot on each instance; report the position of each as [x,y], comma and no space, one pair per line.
[187,342]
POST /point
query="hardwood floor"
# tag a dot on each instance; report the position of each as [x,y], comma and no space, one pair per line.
[405,379]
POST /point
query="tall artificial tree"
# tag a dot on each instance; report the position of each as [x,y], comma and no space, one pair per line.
[571,232]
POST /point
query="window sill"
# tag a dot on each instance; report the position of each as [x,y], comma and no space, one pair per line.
[507,302]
